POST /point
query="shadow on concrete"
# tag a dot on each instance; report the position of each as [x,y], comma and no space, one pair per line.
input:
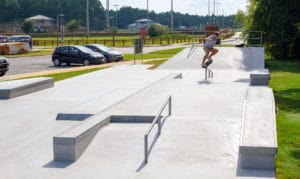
[56,164]
[143,164]
[192,50]
[243,80]
[72,117]
[253,173]
[205,82]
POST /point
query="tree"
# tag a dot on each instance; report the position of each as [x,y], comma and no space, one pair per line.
[73,26]
[156,30]
[113,31]
[277,19]
[240,18]
[27,26]
[13,10]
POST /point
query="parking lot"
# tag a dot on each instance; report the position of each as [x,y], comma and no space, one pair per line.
[43,63]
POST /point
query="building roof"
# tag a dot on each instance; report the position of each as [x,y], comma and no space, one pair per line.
[39,17]
[143,20]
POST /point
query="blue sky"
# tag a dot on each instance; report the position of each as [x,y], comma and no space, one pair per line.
[197,7]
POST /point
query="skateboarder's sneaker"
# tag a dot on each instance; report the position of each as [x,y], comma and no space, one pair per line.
[204,65]
[209,61]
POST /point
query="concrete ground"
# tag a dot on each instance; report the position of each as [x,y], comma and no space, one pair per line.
[199,140]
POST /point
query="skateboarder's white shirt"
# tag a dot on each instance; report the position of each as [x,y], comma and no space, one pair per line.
[210,41]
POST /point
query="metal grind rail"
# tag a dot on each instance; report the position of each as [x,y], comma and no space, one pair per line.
[159,125]
[209,74]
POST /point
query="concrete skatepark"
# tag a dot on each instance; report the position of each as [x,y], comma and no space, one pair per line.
[93,126]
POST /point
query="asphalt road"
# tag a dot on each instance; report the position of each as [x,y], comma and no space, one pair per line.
[44,63]
[30,64]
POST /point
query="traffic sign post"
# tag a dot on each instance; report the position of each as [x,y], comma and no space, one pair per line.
[138,48]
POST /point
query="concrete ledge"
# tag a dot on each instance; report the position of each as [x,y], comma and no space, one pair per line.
[12,89]
[260,77]
[69,145]
[258,145]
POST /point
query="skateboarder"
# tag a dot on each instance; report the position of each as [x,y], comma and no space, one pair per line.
[209,49]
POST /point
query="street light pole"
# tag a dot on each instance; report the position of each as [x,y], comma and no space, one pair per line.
[62,28]
[116,5]
[172,16]
[107,14]
[147,13]
[57,29]
[87,19]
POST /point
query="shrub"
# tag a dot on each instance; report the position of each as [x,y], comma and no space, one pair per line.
[156,30]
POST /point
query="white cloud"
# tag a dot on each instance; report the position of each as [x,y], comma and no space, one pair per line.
[198,7]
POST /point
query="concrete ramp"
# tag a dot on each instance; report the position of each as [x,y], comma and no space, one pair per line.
[227,58]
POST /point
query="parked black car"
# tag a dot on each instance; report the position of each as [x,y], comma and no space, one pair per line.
[3,66]
[109,54]
[21,38]
[3,39]
[75,54]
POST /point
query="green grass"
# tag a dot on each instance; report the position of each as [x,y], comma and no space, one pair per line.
[155,63]
[285,81]
[155,55]
[31,54]
[66,75]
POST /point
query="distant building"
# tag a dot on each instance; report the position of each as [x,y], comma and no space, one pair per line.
[42,23]
[139,24]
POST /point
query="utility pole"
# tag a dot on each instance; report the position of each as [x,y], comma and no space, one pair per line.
[214,12]
[116,5]
[147,13]
[107,14]
[172,16]
[87,19]
[209,18]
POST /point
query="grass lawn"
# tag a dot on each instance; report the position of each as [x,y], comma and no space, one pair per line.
[285,81]
[66,75]
[155,55]
[155,63]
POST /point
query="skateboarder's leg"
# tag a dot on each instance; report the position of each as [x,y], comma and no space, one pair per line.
[206,55]
[213,52]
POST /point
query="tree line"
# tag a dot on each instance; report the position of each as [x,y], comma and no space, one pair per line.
[279,20]
[18,10]
[128,15]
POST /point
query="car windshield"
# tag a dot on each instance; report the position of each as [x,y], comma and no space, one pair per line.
[104,48]
[85,49]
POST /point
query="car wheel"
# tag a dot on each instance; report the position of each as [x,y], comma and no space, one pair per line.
[105,60]
[2,74]
[86,62]
[56,62]
[108,60]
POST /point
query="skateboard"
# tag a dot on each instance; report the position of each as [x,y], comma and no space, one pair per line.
[207,63]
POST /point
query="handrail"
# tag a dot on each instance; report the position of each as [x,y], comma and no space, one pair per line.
[157,120]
